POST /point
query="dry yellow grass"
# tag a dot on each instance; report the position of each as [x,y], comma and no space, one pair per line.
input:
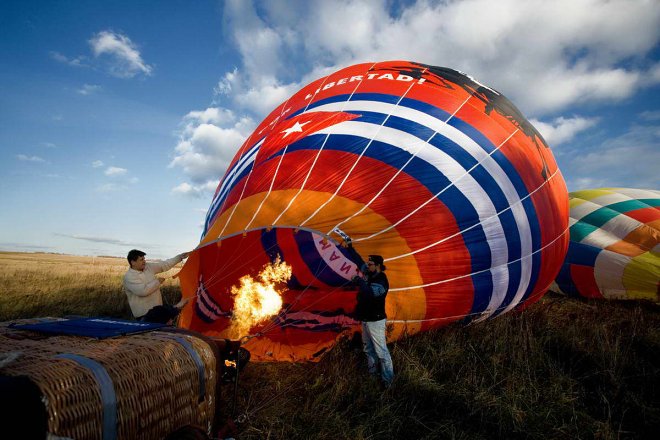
[38,284]
[564,368]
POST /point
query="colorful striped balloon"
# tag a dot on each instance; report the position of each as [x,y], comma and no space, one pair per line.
[614,251]
[439,174]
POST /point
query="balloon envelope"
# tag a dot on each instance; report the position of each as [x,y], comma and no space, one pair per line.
[614,251]
[439,174]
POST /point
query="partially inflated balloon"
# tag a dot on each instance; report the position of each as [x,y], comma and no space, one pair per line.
[614,251]
[423,165]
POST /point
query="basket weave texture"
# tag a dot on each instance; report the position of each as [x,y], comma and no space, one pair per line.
[155,379]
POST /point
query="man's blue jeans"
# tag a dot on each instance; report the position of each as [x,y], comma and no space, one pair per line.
[375,347]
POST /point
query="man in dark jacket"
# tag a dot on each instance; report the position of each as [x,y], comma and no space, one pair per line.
[370,310]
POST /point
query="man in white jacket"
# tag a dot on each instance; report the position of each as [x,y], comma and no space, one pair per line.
[141,285]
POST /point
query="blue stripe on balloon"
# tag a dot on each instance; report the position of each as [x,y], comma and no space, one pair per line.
[209,304]
[520,188]
[481,140]
[582,253]
[564,280]
[463,211]
[214,209]
[315,262]
[380,97]
[222,195]
[481,281]
[479,173]
[270,245]
[514,177]
[272,248]
[483,178]
[492,188]
[579,254]
[487,146]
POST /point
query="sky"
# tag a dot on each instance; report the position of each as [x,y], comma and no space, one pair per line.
[118,118]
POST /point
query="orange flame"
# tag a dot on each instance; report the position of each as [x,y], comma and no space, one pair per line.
[256,300]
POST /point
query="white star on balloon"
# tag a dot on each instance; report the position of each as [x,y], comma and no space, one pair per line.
[296,128]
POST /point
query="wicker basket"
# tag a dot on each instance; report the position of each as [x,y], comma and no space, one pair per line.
[160,381]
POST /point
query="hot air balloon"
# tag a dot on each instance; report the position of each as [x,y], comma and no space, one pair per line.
[614,251]
[439,174]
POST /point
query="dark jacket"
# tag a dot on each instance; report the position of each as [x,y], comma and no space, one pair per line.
[372,291]
[371,297]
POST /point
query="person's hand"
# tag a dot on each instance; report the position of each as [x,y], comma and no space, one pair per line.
[181,304]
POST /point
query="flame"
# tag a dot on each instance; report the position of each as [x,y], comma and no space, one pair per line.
[256,300]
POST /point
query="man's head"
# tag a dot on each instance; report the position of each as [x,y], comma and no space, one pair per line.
[375,263]
[136,259]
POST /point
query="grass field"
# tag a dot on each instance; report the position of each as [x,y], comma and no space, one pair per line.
[563,369]
[37,284]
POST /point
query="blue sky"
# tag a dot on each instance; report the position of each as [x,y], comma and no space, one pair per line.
[117,119]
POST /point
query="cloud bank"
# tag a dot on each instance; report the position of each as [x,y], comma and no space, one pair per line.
[628,160]
[547,57]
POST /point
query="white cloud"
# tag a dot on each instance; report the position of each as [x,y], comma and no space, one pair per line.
[115,171]
[201,190]
[650,115]
[208,141]
[97,164]
[562,129]
[588,183]
[124,58]
[95,239]
[544,56]
[652,75]
[88,89]
[629,160]
[23,157]
[110,187]
[76,62]
[212,115]
[49,145]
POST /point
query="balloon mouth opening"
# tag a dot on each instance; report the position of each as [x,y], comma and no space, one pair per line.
[262,273]
[258,298]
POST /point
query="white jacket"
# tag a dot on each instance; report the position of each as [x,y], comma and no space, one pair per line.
[143,289]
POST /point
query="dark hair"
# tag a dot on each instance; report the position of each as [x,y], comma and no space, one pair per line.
[134,254]
[377,259]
